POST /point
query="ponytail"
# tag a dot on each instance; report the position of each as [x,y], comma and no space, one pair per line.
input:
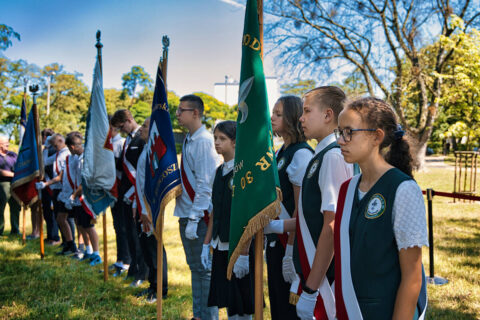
[399,156]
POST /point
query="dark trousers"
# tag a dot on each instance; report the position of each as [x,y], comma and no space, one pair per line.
[278,289]
[6,197]
[138,268]
[120,233]
[149,248]
[57,206]
[49,216]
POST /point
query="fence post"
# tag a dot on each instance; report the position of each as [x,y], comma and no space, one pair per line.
[432,279]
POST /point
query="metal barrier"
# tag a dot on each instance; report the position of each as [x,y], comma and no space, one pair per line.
[430,193]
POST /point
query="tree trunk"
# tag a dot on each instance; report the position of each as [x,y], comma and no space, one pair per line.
[418,148]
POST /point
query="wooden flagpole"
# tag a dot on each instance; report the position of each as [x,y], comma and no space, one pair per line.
[259,235]
[38,206]
[163,62]
[99,47]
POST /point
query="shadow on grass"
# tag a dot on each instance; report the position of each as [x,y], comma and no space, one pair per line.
[459,313]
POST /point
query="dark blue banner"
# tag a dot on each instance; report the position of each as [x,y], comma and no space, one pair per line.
[26,167]
[162,176]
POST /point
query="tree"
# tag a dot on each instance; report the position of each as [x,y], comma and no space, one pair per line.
[299,88]
[136,77]
[6,35]
[215,110]
[379,38]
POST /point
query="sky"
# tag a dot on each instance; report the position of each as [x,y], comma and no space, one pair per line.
[205,38]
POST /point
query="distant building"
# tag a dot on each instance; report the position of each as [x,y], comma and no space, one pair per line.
[227,91]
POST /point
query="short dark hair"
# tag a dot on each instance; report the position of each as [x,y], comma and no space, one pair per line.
[73,137]
[195,101]
[120,116]
[328,97]
[47,132]
[227,127]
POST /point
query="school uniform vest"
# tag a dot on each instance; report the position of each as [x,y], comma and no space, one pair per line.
[311,203]
[284,158]
[222,202]
[374,261]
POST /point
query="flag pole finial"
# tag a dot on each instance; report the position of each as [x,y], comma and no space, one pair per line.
[99,45]
[33,89]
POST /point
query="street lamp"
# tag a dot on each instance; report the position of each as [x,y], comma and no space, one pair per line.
[49,80]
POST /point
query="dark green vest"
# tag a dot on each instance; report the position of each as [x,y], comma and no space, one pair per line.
[311,204]
[222,202]
[284,158]
[373,250]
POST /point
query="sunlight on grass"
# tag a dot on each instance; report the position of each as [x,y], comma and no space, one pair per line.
[61,288]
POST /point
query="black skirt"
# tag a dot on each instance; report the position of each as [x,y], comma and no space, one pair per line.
[237,295]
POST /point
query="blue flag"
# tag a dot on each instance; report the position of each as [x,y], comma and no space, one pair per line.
[162,176]
[26,170]
[98,171]
[23,119]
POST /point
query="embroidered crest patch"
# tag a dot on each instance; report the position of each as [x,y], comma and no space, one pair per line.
[281,163]
[375,207]
[230,183]
[313,168]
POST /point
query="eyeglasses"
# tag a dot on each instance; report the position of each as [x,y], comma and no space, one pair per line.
[180,110]
[346,133]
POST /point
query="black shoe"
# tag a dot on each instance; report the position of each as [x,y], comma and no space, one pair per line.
[142,293]
[152,297]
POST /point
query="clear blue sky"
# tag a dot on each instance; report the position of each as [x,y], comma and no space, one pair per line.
[205,38]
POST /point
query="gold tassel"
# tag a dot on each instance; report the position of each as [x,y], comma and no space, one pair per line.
[259,221]
[293,299]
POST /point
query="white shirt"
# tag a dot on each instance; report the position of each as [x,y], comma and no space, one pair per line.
[75,166]
[333,172]
[58,166]
[117,142]
[199,153]
[298,165]
[216,243]
[408,216]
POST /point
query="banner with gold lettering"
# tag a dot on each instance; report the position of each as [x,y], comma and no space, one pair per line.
[162,176]
[256,192]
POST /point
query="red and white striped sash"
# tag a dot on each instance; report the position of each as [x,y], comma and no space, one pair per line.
[345,297]
[325,307]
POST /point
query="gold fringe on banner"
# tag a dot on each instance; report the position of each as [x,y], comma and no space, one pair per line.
[259,221]
[171,194]
[293,299]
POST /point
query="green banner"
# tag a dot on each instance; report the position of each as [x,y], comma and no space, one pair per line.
[256,191]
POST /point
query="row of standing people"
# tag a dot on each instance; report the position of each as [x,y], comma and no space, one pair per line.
[374,222]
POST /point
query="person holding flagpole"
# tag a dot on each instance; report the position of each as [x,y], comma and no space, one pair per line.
[132,149]
[148,243]
[380,224]
[199,161]
[326,171]
[236,294]
[292,160]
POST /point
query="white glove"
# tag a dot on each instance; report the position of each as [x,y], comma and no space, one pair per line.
[241,267]
[68,205]
[288,269]
[191,229]
[72,200]
[40,185]
[205,257]
[275,226]
[306,305]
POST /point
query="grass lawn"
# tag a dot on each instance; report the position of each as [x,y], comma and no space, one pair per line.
[60,288]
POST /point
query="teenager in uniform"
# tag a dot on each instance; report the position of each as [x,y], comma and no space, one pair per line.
[148,243]
[47,193]
[83,219]
[292,160]
[132,148]
[380,225]
[123,256]
[198,165]
[63,216]
[237,294]
[326,171]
